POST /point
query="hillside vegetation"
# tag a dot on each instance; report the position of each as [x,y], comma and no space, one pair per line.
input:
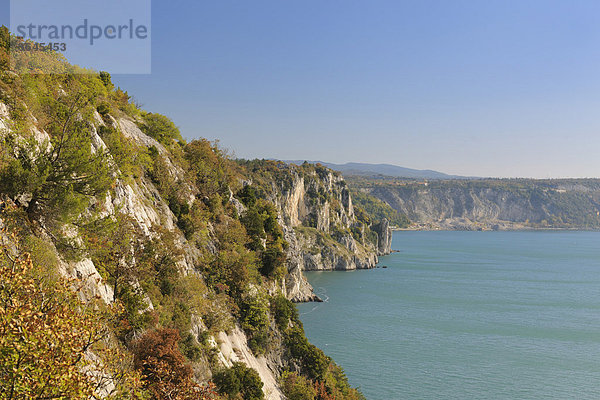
[135,264]
[378,209]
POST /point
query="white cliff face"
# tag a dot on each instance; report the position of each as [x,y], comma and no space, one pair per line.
[233,347]
[295,286]
[129,202]
[315,208]
[384,237]
[334,256]
[4,119]
[311,199]
[292,204]
[489,204]
[143,202]
[93,284]
[131,131]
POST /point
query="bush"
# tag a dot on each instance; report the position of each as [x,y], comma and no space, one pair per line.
[46,334]
[273,260]
[161,128]
[210,166]
[239,380]
[165,372]
[190,348]
[106,79]
[283,310]
[103,109]
[314,361]
[247,195]
[297,387]
[132,161]
[255,322]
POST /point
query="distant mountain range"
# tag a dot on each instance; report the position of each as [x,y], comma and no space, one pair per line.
[371,170]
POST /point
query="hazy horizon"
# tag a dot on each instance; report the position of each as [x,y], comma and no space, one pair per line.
[470,175]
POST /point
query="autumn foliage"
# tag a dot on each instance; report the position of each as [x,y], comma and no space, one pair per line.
[166,374]
[52,346]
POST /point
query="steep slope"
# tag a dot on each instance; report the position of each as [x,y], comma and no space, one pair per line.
[191,263]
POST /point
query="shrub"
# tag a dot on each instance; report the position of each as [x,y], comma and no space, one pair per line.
[62,179]
[253,221]
[314,361]
[273,260]
[106,79]
[283,310]
[132,160]
[161,128]
[103,109]
[190,348]
[297,387]
[239,380]
[254,317]
[210,167]
[45,336]
[247,195]
[164,369]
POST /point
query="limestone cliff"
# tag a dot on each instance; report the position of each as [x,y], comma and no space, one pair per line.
[315,213]
[198,265]
[384,237]
[142,201]
[320,225]
[494,204]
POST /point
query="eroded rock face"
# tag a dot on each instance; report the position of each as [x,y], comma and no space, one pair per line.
[491,204]
[233,347]
[295,286]
[384,237]
[94,285]
[316,214]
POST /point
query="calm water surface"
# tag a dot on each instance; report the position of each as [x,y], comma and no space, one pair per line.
[467,315]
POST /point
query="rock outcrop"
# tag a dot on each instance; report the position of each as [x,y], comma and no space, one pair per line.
[320,226]
[384,237]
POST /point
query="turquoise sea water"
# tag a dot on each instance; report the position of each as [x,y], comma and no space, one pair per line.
[467,315]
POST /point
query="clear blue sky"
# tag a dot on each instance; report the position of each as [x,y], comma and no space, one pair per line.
[480,87]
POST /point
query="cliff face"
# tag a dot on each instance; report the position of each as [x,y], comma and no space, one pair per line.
[199,254]
[320,225]
[143,203]
[176,223]
[496,204]
[384,237]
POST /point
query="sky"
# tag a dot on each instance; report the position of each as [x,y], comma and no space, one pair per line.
[478,88]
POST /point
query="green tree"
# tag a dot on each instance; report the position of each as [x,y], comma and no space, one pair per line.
[160,128]
[106,79]
[239,380]
[62,175]
[210,167]
[297,387]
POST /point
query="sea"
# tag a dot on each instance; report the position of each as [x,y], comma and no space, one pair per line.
[467,315]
